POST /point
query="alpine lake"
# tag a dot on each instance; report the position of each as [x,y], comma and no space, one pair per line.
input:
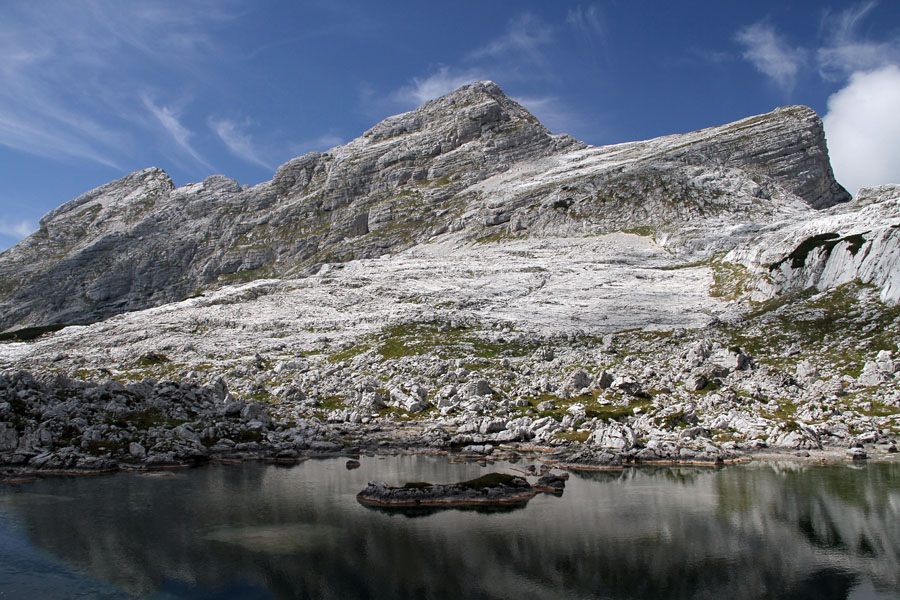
[759,530]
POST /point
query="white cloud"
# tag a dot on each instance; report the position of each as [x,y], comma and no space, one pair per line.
[238,142]
[169,119]
[444,80]
[17,230]
[863,129]
[771,54]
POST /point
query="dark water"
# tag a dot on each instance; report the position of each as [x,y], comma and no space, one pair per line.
[262,531]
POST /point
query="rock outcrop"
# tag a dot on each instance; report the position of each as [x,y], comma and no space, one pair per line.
[858,242]
[473,163]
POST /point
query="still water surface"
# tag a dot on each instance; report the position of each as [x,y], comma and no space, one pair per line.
[264,531]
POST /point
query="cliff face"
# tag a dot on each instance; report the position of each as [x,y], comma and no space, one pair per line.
[858,242]
[473,163]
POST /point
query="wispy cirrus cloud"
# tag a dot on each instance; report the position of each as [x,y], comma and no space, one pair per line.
[238,141]
[169,119]
[590,26]
[525,36]
[443,80]
[771,54]
[518,54]
[846,51]
[72,74]
[842,50]
[588,20]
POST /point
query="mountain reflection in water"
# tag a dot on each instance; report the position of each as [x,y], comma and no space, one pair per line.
[263,531]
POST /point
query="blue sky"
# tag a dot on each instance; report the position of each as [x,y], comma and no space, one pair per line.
[93,90]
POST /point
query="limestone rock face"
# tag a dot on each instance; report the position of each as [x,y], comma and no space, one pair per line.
[856,241]
[473,163]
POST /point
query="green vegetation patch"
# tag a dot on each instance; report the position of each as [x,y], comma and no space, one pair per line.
[440,181]
[144,419]
[244,276]
[151,359]
[642,230]
[416,485]
[349,353]
[817,324]
[730,281]
[563,204]
[496,236]
[416,339]
[574,436]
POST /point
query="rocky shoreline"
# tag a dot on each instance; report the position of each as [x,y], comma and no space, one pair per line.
[56,425]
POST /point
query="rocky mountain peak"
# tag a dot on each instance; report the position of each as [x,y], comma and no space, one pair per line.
[473,164]
[114,196]
[467,110]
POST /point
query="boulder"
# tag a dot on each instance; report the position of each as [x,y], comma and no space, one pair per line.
[9,438]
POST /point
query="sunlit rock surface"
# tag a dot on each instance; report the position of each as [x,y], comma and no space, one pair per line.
[458,278]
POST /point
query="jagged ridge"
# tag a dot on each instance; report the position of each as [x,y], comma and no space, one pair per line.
[472,162]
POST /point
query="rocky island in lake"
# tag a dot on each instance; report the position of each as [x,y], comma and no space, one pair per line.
[460,280]
[493,488]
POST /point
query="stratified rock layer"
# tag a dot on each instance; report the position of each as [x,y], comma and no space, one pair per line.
[473,162]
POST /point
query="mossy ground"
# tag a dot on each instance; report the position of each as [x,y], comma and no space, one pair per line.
[417,339]
[842,328]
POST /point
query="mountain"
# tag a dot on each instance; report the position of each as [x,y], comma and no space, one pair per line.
[473,161]
[460,279]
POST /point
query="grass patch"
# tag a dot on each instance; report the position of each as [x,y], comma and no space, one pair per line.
[151,359]
[330,403]
[349,353]
[574,436]
[785,413]
[673,421]
[416,485]
[416,339]
[563,204]
[818,325]
[592,409]
[103,447]
[642,230]
[440,181]
[144,419]
[730,281]
[497,236]
[244,276]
